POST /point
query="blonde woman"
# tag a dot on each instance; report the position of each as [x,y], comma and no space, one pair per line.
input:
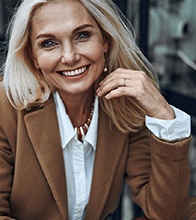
[80,112]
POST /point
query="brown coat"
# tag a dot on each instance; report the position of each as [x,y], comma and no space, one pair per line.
[191,209]
[32,177]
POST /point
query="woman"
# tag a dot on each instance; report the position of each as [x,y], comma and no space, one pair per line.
[75,95]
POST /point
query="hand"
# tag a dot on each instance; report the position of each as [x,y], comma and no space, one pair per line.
[124,82]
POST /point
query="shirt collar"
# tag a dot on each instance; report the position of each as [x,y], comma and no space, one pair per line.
[66,128]
[91,136]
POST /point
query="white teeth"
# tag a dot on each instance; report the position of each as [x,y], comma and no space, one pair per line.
[74,72]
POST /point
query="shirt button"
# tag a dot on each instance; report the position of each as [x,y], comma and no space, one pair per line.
[171,131]
[79,210]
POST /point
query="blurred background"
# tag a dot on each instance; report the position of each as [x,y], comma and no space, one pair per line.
[166,33]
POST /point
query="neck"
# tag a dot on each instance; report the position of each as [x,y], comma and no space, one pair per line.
[78,107]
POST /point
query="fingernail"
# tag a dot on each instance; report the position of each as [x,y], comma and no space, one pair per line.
[98,92]
[107,96]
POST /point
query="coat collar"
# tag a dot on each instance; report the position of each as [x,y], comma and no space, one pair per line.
[42,127]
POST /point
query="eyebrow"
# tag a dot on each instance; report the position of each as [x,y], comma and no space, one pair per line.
[45,35]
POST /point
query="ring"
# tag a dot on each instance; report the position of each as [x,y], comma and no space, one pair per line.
[124,82]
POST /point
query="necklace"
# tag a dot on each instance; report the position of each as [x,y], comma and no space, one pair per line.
[82,130]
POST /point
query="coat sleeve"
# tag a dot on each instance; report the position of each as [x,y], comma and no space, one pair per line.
[6,160]
[158,175]
[6,176]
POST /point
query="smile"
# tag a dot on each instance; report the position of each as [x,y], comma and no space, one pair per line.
[74,72]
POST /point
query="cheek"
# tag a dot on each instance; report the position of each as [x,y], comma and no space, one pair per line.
[94,50]
[99,64]
[98,55]
[51,79]
[46,63]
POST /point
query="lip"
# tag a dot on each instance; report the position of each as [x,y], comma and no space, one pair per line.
[74,72]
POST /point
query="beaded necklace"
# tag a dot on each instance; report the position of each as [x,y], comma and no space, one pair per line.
[82,130]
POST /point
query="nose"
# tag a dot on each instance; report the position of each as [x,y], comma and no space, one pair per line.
[69,55]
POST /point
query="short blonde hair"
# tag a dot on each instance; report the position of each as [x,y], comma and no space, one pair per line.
[23,86]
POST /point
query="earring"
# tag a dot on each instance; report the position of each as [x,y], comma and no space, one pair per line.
[105,69]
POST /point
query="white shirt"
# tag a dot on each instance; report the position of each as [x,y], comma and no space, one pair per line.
[79,157]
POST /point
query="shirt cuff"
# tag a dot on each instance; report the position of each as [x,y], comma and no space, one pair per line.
[170,130]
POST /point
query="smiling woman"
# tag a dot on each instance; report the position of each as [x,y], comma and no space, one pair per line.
[74,48]
[80,112]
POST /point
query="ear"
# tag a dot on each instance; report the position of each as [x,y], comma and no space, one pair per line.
[105,46]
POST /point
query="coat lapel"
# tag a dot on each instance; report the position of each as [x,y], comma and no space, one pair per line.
[109,148]
[42,127]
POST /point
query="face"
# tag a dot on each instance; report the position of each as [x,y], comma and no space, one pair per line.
[67,46]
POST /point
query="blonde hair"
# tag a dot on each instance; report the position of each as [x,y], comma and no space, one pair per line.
[23,86]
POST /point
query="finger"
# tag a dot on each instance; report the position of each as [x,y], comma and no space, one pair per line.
[120,73]
[114,80]
[118,92]
[111,84]
[113,76]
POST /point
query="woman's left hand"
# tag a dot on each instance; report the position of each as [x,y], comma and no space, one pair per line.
[124,82]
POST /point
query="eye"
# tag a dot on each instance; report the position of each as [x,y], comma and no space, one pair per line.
[48,44]
[83,36]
